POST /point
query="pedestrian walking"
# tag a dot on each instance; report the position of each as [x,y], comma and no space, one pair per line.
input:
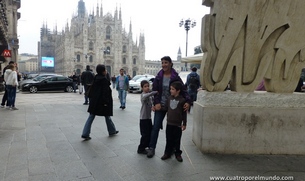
[176,122]
[162,84]
[79,83]
[193,84]
[122,86]
[145,116]
[87,79]
[74,81]
[101,103]
[113,81]
[11,84]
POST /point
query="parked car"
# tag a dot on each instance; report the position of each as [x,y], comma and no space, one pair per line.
[136,77]
[51,83]
[38,77]
[135,85]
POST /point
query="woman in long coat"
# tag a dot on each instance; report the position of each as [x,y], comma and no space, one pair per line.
[101,103]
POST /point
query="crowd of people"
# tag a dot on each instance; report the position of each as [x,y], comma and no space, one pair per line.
[11,78]
[169,96]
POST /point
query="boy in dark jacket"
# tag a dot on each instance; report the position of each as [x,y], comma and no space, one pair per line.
[176,122]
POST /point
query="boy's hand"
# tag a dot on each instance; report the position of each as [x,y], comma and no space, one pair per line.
[183,127]
[153,108]
[157,107]
[186,106]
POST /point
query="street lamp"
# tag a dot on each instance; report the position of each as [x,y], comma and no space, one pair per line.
[188,24]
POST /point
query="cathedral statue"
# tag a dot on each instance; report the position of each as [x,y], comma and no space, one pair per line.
[247,41]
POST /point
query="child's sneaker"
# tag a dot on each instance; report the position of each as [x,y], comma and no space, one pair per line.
[2,106]
[179,158]
[14,108]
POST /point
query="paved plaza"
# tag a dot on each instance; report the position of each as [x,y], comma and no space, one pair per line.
[42,142]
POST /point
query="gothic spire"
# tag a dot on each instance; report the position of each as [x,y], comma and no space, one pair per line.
[116,13]
[101,15]
[130,28]
[120,14]
[81,9]
[97,10]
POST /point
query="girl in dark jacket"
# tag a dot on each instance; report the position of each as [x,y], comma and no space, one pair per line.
[101,103]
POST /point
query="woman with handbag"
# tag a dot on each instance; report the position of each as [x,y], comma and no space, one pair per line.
[100,102]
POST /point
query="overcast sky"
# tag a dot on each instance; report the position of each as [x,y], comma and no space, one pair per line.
[158,20]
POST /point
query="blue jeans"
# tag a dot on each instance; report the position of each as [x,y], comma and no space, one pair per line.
[158,122]
[122,96]
[86,97]
[11,95]
[87,128]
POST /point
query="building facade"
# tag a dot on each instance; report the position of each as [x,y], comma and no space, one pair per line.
[152,67]
[92,39]
[8,30]
[8,33]
[27,63]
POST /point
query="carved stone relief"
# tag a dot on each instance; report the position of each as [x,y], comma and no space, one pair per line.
[246,41]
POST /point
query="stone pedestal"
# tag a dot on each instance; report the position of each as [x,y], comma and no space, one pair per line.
[249,123]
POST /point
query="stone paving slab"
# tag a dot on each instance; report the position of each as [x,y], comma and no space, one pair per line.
[41,141]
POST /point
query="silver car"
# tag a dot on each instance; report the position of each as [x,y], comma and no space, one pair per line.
[135,85]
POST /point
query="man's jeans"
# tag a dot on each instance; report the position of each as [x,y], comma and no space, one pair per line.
[158,121]
[11,95]
[193,95]
[86,97]
[4,98]
[122,96]
[87,128]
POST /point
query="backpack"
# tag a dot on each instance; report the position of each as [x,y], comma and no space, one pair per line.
[193,82]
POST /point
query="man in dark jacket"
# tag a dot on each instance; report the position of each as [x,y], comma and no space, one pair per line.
[87,79]
[101,103]
[193,84]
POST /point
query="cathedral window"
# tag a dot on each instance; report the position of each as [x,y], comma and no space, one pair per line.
[124,60]
[108,33]
[90,58]
[134,61]
[124,49]
[91,46]
[108,50]
[78,58]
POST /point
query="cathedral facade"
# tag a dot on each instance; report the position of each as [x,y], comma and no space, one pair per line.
[92,39]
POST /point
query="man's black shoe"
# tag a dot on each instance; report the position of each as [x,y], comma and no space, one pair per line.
[179,158]
[86,103]
[123,107]
[86,137]
[144,152]
[116,132]
[120,106]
